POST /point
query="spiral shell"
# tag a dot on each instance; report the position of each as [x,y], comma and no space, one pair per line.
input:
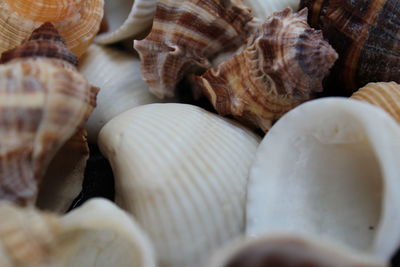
[185,36]
[78,21]
[43,102]
[182,172]
[282,66]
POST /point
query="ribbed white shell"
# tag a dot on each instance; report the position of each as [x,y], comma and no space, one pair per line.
[127,18]
[182,172]
[330,168]
[264,8]
[118,76]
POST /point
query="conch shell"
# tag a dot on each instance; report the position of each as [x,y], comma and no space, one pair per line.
[186,35]
[383,95]
[328,170]
[97,234]
[265,8]
[182,172]
[366,40]
[43,102]
[78,21]
[282,66]
[126,19]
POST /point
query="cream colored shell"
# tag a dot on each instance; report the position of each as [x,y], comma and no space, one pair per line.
[182,172]
[329,169]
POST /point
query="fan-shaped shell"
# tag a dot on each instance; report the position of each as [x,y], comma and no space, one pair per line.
[328,169]
[185,36]
[282,66]
[127,18]
[182,172]
[78,29]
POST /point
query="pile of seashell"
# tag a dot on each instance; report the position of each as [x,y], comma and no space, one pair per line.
[304,172]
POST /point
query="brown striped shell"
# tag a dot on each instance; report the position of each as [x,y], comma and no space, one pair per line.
[43,101]
[282,66]
[186,35]
[366,35]
[78,21]
[385,95]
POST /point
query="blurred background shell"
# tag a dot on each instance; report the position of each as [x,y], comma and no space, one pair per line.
[264,8]
[182,172]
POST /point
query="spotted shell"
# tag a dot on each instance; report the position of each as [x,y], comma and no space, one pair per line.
[185,36]
[282,66]
[78,21]
[43,102]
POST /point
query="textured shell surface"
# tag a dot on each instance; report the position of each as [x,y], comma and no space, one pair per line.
[122,87]
[127,18]
[186,35]
[287,250]
[78,24]
[282,66]
[366,36]
[342,180]
[265,8]
[43,102]
[385,95]
[182,172]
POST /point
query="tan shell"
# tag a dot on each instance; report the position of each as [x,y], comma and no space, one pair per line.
[78,25]
[282,66]
[385,95]
[43,102]
[185,36]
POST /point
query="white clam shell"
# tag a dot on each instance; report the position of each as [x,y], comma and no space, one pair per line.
[127,18]
[182,172]
[264,8]
[330,169]
[118,76]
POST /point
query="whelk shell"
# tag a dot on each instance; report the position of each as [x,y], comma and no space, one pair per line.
[282,66]
[182,172]
[43,102]
[338,183]
[186,35]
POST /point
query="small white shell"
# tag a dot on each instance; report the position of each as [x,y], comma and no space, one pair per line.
[330,169]
[182,172]
[127,18]
[264,8]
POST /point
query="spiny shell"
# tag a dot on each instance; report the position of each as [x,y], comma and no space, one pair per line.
[78,29]
[328,170]
[186,34]
[43,101]
[287,250]
[127,18]
[383,95]
[182,172]
[366,36]
[265,8]
[282,66]
[122,87]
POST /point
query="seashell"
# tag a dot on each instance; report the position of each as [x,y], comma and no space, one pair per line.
[265,8]
[287,250]
[383,95]
[123,88]
[127,18]
[366,40]
[341,183]
[64,177]
[182,172]
[97,234]
[43,103]
[282,66]
[186,35]
[78,21]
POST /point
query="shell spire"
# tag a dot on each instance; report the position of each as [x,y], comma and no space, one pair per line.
[45,41]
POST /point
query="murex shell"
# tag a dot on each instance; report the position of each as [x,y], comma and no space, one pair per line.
[328,170]
[186,35]
[282,66]
[182,172]
[365,34]
[43,102]
[78,21]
